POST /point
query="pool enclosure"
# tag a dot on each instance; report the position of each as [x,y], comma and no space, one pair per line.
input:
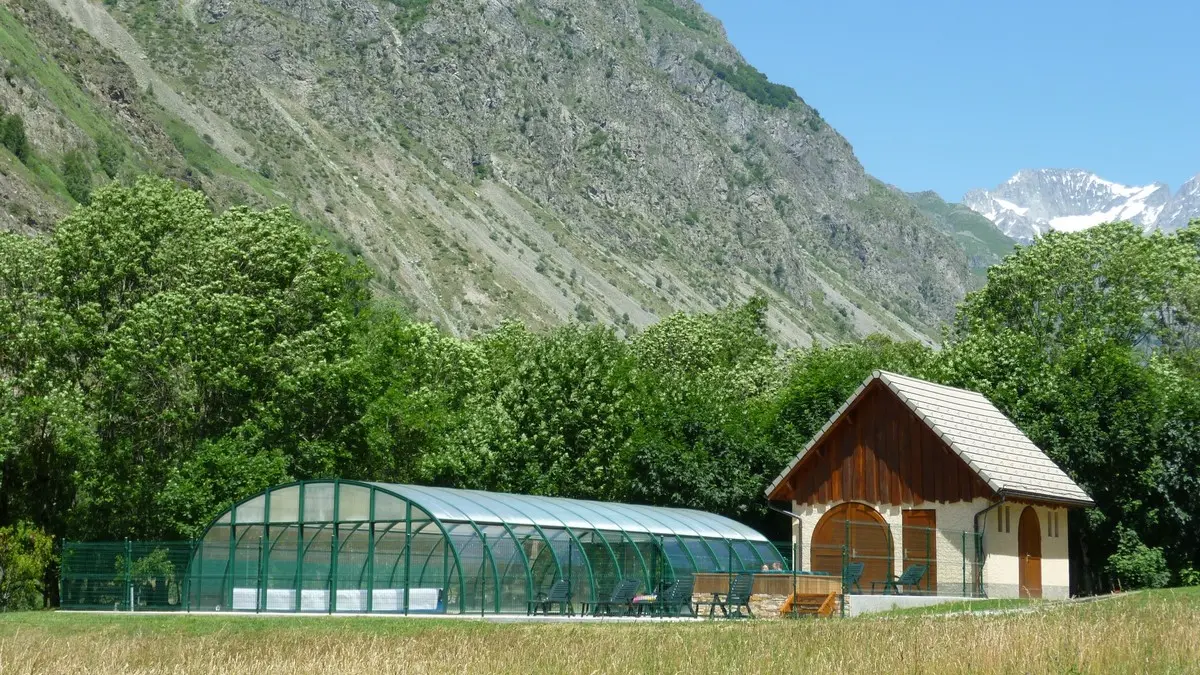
[349,546]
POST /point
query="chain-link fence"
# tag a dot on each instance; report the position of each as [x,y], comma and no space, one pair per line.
[875,557]
[125,576]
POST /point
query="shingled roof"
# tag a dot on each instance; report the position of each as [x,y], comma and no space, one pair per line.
[991,445]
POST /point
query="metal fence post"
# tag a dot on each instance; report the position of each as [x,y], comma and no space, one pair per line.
[331,606]
[62,557]
[264,554]
[129,573]
[964,563]
[232,558]
[187,578]
[258,576]
[408,557]
[483,578]
[300,550]
[371,553]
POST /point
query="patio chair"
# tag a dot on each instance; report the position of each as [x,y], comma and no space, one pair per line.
[738,597]
[851,575]
[621,599]
[911,577]
[559,594]
[677,598]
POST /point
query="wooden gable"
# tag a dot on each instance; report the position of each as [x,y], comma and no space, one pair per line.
[880,452]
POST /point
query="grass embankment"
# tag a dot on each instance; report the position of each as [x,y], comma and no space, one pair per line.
[1147,632]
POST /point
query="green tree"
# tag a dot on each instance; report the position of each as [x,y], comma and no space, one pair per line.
[705,388]
[149,348]
[12,136]
[820,379]
[1087,342]
[552,415]
[110,153]
[25,554]
[77,176]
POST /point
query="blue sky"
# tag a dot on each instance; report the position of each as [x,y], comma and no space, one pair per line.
[950,95]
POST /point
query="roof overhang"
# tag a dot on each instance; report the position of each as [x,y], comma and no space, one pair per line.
[884,381]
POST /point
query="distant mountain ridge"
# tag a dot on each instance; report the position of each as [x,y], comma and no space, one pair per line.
[1035,201]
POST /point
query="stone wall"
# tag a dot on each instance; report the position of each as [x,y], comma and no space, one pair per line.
[763,606]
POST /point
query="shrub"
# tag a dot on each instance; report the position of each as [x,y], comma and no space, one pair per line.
[77,176]
[751,82]
[12,135]
[1136,565]
[1189,576]
[110,153]
[25,553]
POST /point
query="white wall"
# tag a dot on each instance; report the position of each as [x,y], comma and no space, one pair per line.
[1000,572]
[1002,568]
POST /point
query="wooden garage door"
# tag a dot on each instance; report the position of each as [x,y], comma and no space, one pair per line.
[865,536]
[920,545]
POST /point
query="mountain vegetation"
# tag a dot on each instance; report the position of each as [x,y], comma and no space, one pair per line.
[983,242]
[531,160]
[161,361]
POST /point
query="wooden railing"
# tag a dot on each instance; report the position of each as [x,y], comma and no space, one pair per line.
[771,584]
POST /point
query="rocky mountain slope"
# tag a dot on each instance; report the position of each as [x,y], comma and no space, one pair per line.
[1035,201]
[982,240]
[544,160]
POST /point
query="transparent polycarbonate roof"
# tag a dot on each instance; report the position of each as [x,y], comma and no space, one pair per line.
[451,504]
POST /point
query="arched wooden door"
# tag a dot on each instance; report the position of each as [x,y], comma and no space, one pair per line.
[870,542]
[1029,553]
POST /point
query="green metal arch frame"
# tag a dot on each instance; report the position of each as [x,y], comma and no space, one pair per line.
[702,538]
[545,540]
[424,566]
[487,554]
[686,552]
[758,555]
[232,511]
[586,563]
[580,511]
[524,561]
[597,532]
[663,553]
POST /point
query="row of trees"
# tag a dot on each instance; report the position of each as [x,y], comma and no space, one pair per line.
[160,361]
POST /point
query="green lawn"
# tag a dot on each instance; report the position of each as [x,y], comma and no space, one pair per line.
[1143,632]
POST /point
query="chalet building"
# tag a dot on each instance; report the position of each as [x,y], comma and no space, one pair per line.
[910,471]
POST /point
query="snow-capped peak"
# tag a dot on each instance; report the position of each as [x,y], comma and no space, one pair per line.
[1035,201]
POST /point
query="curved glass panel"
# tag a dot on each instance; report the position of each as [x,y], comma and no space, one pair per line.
[285,504]
[497,507]
[350,547]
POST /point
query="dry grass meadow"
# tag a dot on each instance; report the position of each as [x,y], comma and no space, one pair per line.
[1157,632]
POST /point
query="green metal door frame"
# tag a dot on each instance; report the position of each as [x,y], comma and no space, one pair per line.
[520,549]
[545,540]
[672,532]
[603,540]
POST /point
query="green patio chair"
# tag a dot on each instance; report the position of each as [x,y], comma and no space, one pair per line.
[732,603]
[621,599]
[911,577]
[559,594]
[851,576]
[676,599]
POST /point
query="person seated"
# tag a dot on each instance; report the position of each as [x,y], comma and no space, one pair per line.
[765,568]
[777,567]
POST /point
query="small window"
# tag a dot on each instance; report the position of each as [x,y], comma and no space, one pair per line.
[1007,519]
[1003,520]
